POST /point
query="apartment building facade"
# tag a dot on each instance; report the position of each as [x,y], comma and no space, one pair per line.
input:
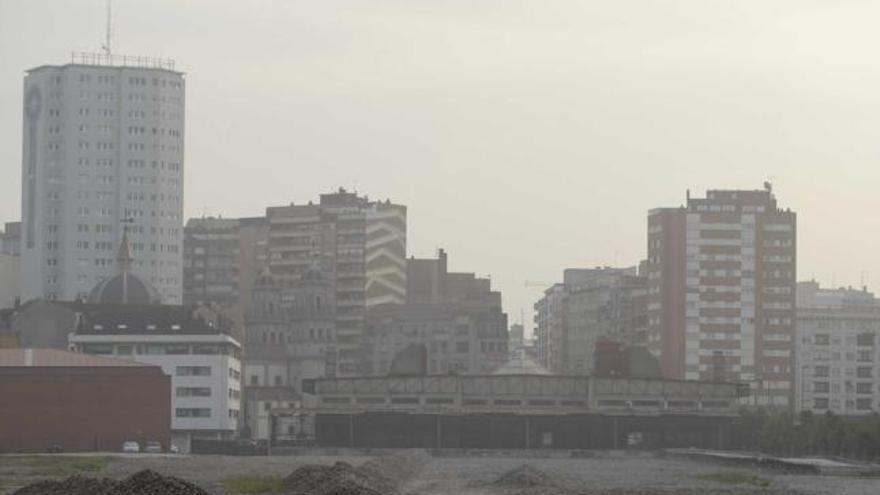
[359,244]
[103,147]
[721,291]
[455,317]
[222,258]
[590,305]
[838,364]
[10,265]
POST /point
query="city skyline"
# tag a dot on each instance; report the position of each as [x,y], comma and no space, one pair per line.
[547,163]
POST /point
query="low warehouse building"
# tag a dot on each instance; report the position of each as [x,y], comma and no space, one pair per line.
[518,411]
[79,402]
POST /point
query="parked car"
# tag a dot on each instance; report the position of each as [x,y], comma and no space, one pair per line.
[55,449]
[153,447]
[174,449]
[131,447]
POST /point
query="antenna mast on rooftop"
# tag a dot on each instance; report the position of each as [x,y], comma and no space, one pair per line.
[106,47]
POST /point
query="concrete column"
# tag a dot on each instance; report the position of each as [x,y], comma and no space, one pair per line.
[439,431]
[614,432]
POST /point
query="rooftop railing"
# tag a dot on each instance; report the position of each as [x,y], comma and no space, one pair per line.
[111,60]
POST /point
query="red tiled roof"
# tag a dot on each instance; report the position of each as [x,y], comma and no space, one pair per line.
[59,358]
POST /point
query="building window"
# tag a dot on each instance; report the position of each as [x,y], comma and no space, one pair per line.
[195,412]
[820,371]
[864,372]
[863,404]
[820,387]
[255,380]
[277,381]
[462,347]
[193,371]
[193,391]
[97,349]
[820,403]
[864,388]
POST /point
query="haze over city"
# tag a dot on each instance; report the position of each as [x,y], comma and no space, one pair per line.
[576,247]
[523,137]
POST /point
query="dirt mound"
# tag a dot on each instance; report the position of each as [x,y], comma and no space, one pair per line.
[524,476]
[74,485]
[150,482]
[141,483]
[380,476]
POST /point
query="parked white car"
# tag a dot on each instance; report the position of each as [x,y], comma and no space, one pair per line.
[153,447]
[131,447]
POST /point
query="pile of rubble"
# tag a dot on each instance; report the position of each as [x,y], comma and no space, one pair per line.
[528,480]
[382,476]
[74,485]
[142,483]
[524,476]
[150,482]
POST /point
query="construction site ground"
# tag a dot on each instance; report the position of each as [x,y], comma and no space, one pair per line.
[449,472]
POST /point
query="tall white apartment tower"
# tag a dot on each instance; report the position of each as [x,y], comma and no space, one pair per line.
[102,152]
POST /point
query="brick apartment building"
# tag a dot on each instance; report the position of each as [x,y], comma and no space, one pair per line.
[721,291]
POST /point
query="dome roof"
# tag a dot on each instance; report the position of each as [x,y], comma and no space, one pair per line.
[124,288]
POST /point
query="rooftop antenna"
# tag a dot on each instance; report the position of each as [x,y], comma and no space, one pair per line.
[106,46]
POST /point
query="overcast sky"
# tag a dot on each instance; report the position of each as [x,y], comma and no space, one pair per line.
[525,137]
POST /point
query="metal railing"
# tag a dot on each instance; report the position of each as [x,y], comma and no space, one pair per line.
[110,60]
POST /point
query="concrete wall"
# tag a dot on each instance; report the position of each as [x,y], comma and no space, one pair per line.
[513,431]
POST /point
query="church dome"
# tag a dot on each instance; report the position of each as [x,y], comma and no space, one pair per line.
[124,288]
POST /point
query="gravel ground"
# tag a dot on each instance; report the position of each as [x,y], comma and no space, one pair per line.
[616,474]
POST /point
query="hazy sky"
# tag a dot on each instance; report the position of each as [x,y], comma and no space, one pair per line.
[525,137]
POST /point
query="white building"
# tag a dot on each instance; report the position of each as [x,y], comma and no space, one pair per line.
[103,144]
[205,375]
[838,366]
[197,346]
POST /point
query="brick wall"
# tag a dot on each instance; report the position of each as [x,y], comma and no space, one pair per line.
[83,409]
